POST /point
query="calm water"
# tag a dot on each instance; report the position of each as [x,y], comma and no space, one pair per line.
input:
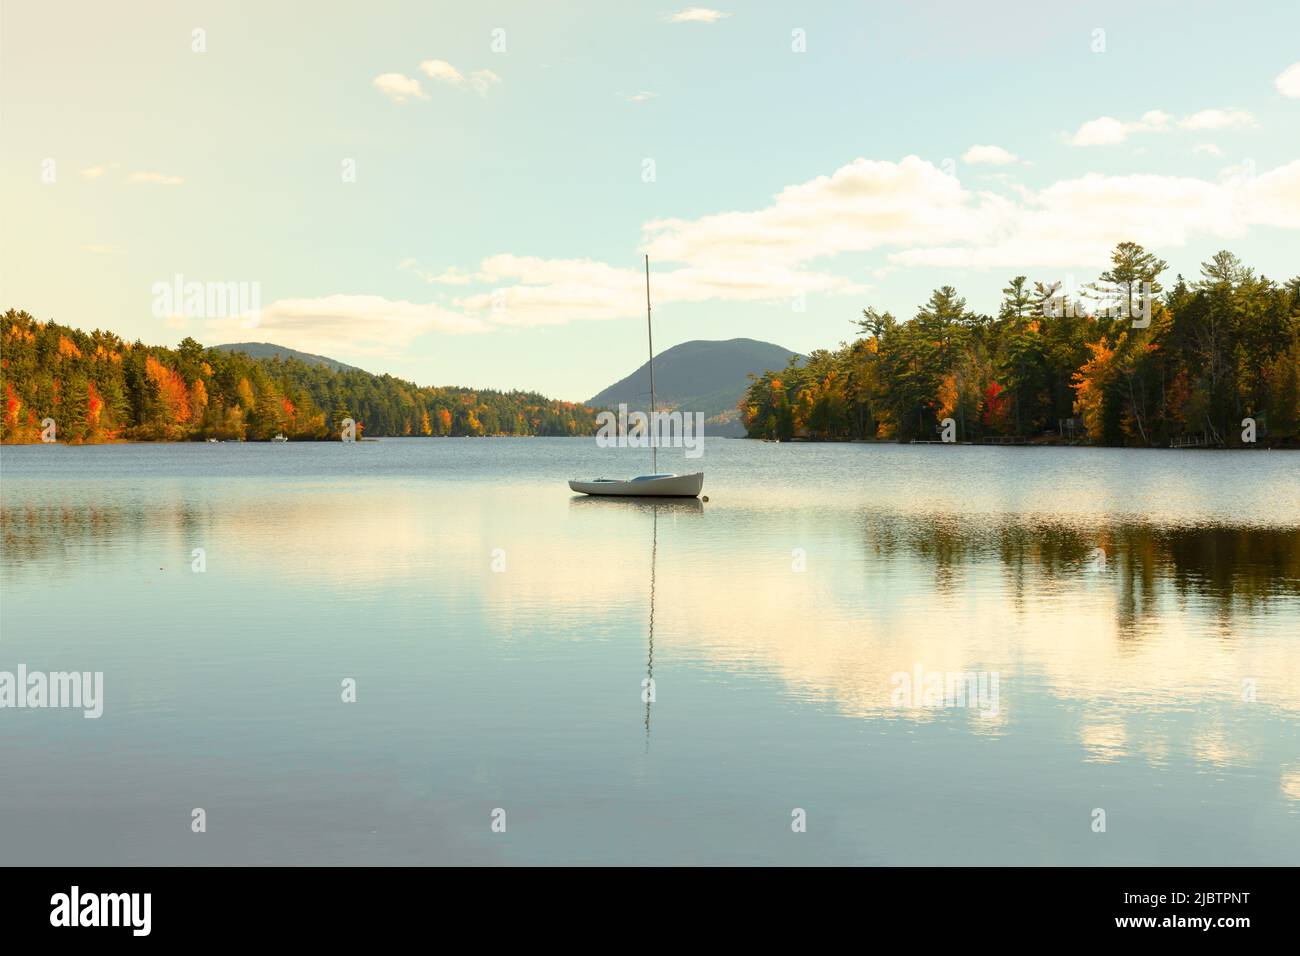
[1125,683]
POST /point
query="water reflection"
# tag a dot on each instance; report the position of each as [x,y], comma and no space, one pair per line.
[1177,614]
[1122,684]
[1239,568]
[640,506]
[1233,570]
[648,687]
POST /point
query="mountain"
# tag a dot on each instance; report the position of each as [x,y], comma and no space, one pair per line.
[699,376]
[268,350]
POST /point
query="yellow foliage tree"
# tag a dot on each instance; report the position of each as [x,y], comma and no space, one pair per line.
[1090,386]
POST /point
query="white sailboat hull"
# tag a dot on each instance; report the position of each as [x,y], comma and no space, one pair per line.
[646,486]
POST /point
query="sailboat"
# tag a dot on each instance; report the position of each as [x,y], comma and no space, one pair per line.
[655,485]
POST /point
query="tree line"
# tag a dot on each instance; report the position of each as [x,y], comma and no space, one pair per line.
[1188,366]
[98,388]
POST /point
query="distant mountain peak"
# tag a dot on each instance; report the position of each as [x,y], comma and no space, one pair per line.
[703,375]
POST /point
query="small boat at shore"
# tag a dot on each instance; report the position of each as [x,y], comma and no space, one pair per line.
[279,438]
[645,486]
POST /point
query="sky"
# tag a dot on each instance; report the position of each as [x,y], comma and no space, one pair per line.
[461,194]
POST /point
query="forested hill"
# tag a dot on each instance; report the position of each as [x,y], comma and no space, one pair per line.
[269,350]
[98,388]
[1207,355]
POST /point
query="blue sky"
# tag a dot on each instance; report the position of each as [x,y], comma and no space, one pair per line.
[502,200]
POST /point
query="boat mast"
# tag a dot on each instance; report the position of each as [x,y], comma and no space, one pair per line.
[650,336]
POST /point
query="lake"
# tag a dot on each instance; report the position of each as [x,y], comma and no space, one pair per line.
[1133,618]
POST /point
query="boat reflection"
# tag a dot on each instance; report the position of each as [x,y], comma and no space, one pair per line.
[674,506]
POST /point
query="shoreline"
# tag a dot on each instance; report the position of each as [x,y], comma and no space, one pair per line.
[1260,446]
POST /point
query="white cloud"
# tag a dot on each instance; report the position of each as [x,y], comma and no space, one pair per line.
[442,71]
[452,276]
[1106,130]
[993,155]
[161,179]
[1207,149]
[531,291]
[1217,119]
[697,15]
[399,87]
[1076,222]
[861,206]
[480,81]
[641,97]
[366,324]
[1288,81]
[1241,171]
[1099,132]
[1273,198]
[913,211]
[928,218]
[750,256]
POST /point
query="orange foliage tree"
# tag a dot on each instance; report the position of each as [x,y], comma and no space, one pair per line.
[171,391]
